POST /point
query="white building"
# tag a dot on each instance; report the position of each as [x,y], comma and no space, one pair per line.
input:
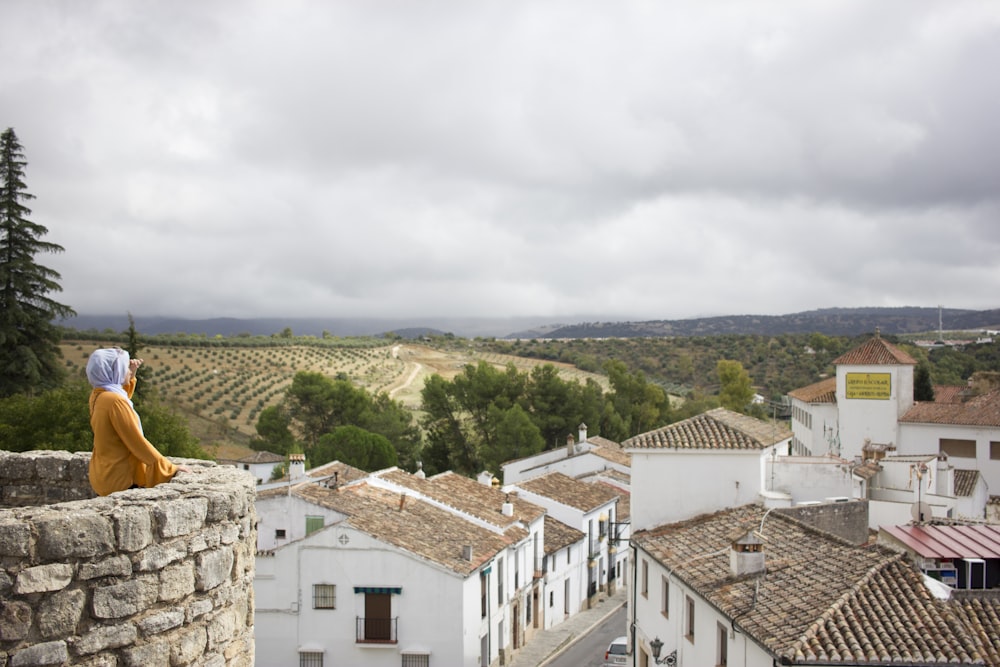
[384,578]
[589,508]
[259,464]
[714,460]
[751,586]
[868,413]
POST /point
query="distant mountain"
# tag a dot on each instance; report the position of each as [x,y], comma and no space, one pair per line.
[829,321]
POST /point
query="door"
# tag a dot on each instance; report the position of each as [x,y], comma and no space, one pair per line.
[378,616]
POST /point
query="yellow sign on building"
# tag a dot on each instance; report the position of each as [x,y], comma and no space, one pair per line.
[875,386]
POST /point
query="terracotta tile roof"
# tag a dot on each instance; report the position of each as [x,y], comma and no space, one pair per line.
[822,600]
[875,351]
[467,496]
[982,410]
[824,391]
[614,455]
[259,457]
[965,482]
[949,393]
[410,524]
[603,442]
[866,470]
[623,511]
[981,615]
[715,429]
[345,475]
[570,492]
[559,536]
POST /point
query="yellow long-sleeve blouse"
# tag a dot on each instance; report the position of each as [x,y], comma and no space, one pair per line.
[122,456]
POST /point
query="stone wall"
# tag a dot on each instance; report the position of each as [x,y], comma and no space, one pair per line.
[145,577]
[847,520]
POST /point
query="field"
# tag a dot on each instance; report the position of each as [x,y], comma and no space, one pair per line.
[221,390]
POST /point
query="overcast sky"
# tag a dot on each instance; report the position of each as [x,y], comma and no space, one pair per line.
[632,160]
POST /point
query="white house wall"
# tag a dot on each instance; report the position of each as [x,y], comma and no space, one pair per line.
[438,610]
[670,627]
[286,513]
[807,478]
[874,419]
[670,486]
[925,439]
[822,422]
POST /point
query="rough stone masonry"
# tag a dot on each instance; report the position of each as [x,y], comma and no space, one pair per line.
[145,577]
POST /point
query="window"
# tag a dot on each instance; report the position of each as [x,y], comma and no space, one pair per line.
[552,598]
[313,523]
[499,581]
[965,449]
[722,647]
[279,534]
[416,660]
[324,596]
[482,592]
[994,450]
[665,598]
[689,618]
[645,579]
[310,659]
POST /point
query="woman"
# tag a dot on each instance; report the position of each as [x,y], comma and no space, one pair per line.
[122,457]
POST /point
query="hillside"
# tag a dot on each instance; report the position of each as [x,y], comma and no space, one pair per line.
[830,322]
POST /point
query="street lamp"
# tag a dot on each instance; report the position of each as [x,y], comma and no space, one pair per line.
[670,659]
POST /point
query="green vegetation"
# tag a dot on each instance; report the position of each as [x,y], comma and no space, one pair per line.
[29,353]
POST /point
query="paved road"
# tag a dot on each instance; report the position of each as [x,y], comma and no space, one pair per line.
[588,650]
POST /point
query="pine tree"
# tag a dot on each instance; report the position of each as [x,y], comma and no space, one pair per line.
[29,338]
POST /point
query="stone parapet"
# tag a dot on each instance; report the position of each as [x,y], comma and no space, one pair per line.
[144,577]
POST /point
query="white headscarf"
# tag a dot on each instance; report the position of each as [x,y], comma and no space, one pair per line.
[107,369]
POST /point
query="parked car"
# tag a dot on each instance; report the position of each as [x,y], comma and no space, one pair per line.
[617,653]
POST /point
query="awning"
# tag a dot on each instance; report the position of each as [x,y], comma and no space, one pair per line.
[385,590]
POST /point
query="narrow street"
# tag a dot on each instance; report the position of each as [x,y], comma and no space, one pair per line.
[588,651]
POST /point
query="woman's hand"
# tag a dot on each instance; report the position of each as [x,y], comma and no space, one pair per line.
[133,366]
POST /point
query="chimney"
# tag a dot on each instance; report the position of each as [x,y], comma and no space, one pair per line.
[583,432]
[569,444]
[945,482]
[296,466]
[420,470]
[746,555]
[508,507]
[467,552]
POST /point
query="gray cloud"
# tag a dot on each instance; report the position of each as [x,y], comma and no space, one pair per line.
[641,160]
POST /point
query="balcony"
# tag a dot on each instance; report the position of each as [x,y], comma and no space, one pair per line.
[376,630]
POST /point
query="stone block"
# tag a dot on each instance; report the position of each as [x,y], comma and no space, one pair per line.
[133,527]
[222,629]
[161,622]
[199,608]
[15,620]
[116,566]
[157,557]
[181,517]
[53,467]
[176,582]
[188,645]
[106,637]
[126,598]
[43,578]
[59,614]
[15,539]
[155,654]
[212,568]
[80,534]
[41,655]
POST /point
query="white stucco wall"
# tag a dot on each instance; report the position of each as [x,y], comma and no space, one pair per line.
[925,439]
[286,620]
[874,419]
[673,485]
[808,478]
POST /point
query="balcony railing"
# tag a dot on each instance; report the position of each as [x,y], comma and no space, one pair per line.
[376,630]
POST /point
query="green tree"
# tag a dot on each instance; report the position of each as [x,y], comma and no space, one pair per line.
[54,419]
[143,386]
[29,352]
[274,431]
[355,446]
[516,437]
[735,390]
[923,389]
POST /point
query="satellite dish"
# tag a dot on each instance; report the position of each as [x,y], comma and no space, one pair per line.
[921,511]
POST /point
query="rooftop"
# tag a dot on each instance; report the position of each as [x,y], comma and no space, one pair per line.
[824,391]
[875,351]
[822,599]
[716,429]
[410,524]
[981,410]
[559,536]
[944,541]
[571,492]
